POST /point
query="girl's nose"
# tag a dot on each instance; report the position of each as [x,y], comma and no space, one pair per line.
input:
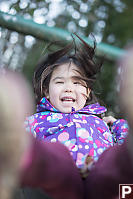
[68,87]
[68,90]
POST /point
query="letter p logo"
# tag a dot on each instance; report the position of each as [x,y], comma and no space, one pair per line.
[125,191]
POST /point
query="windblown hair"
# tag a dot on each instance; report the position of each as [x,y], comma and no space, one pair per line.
[81,54]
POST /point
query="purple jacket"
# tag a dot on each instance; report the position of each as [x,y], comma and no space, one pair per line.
[82,131]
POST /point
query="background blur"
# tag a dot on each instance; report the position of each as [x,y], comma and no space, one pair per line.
[111,22]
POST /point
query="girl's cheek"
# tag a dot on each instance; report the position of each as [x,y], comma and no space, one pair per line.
[83,93]
[82,90]
[85,96]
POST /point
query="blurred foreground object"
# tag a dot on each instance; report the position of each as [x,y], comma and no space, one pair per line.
[126,84]
[15,105]
[126,92]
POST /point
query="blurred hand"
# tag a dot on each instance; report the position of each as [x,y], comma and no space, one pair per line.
[109,119]
[15,104]
[126,92]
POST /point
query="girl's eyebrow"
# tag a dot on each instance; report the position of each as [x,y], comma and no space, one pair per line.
[62,78]
[58,78]
[76,77]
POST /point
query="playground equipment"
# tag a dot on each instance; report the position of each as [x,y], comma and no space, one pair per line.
[43,32]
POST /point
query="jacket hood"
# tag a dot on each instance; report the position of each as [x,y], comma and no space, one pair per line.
[44,105]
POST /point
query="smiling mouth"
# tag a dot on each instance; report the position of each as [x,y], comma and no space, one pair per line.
[68,99]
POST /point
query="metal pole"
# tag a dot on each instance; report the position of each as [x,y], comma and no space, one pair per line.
[41,31]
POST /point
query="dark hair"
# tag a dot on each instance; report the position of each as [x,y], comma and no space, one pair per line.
[82,55]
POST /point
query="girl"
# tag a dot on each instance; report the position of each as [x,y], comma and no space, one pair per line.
[67,109]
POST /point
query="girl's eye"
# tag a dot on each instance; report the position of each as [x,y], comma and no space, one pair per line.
[80,83]
[77,82]
[59,82]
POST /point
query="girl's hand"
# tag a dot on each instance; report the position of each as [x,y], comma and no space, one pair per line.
[109,119]
[88,164]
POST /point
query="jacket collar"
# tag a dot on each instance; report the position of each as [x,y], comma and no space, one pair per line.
[44,105]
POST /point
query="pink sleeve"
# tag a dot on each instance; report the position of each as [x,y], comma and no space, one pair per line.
[120,129]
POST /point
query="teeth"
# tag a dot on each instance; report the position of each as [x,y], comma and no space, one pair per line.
[68,99]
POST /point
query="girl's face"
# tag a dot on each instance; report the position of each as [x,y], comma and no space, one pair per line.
[66,89]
